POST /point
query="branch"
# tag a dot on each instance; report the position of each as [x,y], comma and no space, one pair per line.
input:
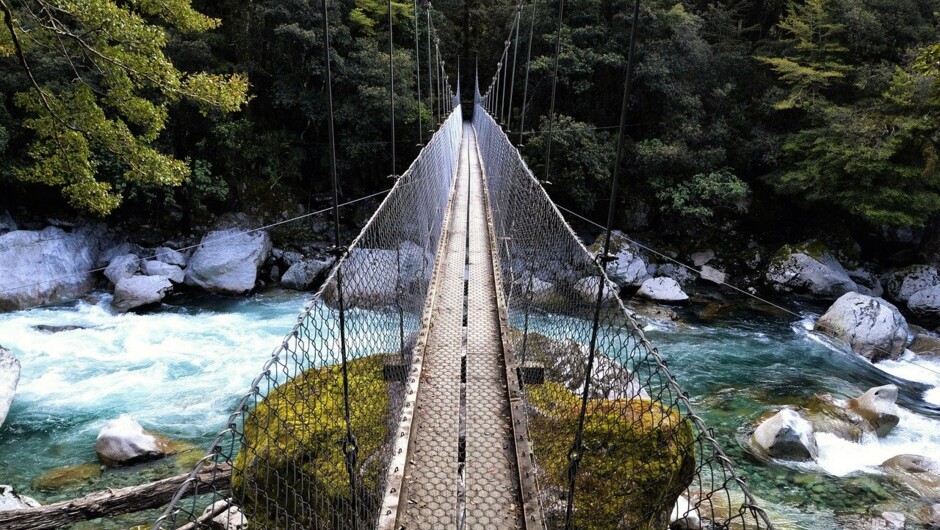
[114,502]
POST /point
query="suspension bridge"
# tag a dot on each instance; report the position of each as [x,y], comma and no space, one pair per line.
[467,364]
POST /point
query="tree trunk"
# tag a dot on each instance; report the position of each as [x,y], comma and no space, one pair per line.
[113,502]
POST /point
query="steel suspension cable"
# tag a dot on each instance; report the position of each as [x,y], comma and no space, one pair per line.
[427,7]
[551,112]
[391,77]
[501,95]
[350,448]
[528,63]
[574,454]
[440,81]
[418,74]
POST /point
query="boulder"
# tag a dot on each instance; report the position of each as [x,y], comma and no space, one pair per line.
[169,256]
[879,407]
[713,275]
[662,290]
[120,267]
[302,275]
[872,327]
[808,269]
[785,435]
[919,473]
[120,249]
[228,517]
[11,500]
[680,274]
[701,258]
[925,345]
[868,283]
[925,303]
[47,266]
[684,516]
[882,521]
[69,477]
[7,224]
[227,261]
[901,285]
[167,270]
[587,287]
[370,278]
[826,415]
[123,441]
[9,377]
[933,516]
[629,269]
[138,291]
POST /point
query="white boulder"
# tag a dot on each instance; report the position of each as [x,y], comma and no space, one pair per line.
[226,516]
[123,441]
[137,291]
[167,270]
[303,274]
[11,500]
[629,269]
[47,266]
[786,435]
[808,269]
[684,516]
[120,267]
[879,407]
[926,302]
[587,288]
[9,377]
[872,327]
[169,256]
[227,261]
[902,284]
[662,290]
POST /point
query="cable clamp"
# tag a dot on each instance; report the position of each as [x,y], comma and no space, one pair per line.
[604,259]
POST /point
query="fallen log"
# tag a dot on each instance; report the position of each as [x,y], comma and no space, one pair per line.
[113,502]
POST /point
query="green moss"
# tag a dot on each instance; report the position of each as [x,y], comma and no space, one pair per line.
[638,457]
[292,462]
[813,249]
[68,477]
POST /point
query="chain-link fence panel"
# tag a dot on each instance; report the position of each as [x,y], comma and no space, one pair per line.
[615,440]
[309,445]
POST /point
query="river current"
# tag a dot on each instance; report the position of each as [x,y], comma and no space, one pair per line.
[181,370]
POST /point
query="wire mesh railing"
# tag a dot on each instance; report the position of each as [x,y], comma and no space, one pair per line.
[614,437]
[309,445]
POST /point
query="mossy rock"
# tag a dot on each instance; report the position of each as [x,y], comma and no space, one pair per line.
[292,469]
[638,457]
[67,477]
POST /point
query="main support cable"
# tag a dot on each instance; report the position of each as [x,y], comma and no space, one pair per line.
[574,454]
[350,447]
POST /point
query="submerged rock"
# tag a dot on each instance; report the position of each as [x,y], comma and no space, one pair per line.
[47,266]
[925,345]
[879,407]
[11,500]
[123,441]
[809,269]
[9,378]
[662,290]
[787,436]
[138,291]
[872,327]
[67,477]
[227,261]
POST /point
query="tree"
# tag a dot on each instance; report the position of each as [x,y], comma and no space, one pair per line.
[99,87]
[811,61]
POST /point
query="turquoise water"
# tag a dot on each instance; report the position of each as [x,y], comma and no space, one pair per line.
[180,372]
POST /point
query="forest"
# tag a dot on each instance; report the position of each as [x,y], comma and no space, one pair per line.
[787,117]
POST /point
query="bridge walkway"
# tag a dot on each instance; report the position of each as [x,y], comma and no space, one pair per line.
[461,470]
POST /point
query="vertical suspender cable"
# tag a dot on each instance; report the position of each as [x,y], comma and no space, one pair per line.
[427,6]
[418,73]
[551,112]
[350,447]
[515,55]
[391,80]
[502,97]
[528,62]
[574,454]
[440,80]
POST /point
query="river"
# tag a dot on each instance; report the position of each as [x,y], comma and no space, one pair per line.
[180,371]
